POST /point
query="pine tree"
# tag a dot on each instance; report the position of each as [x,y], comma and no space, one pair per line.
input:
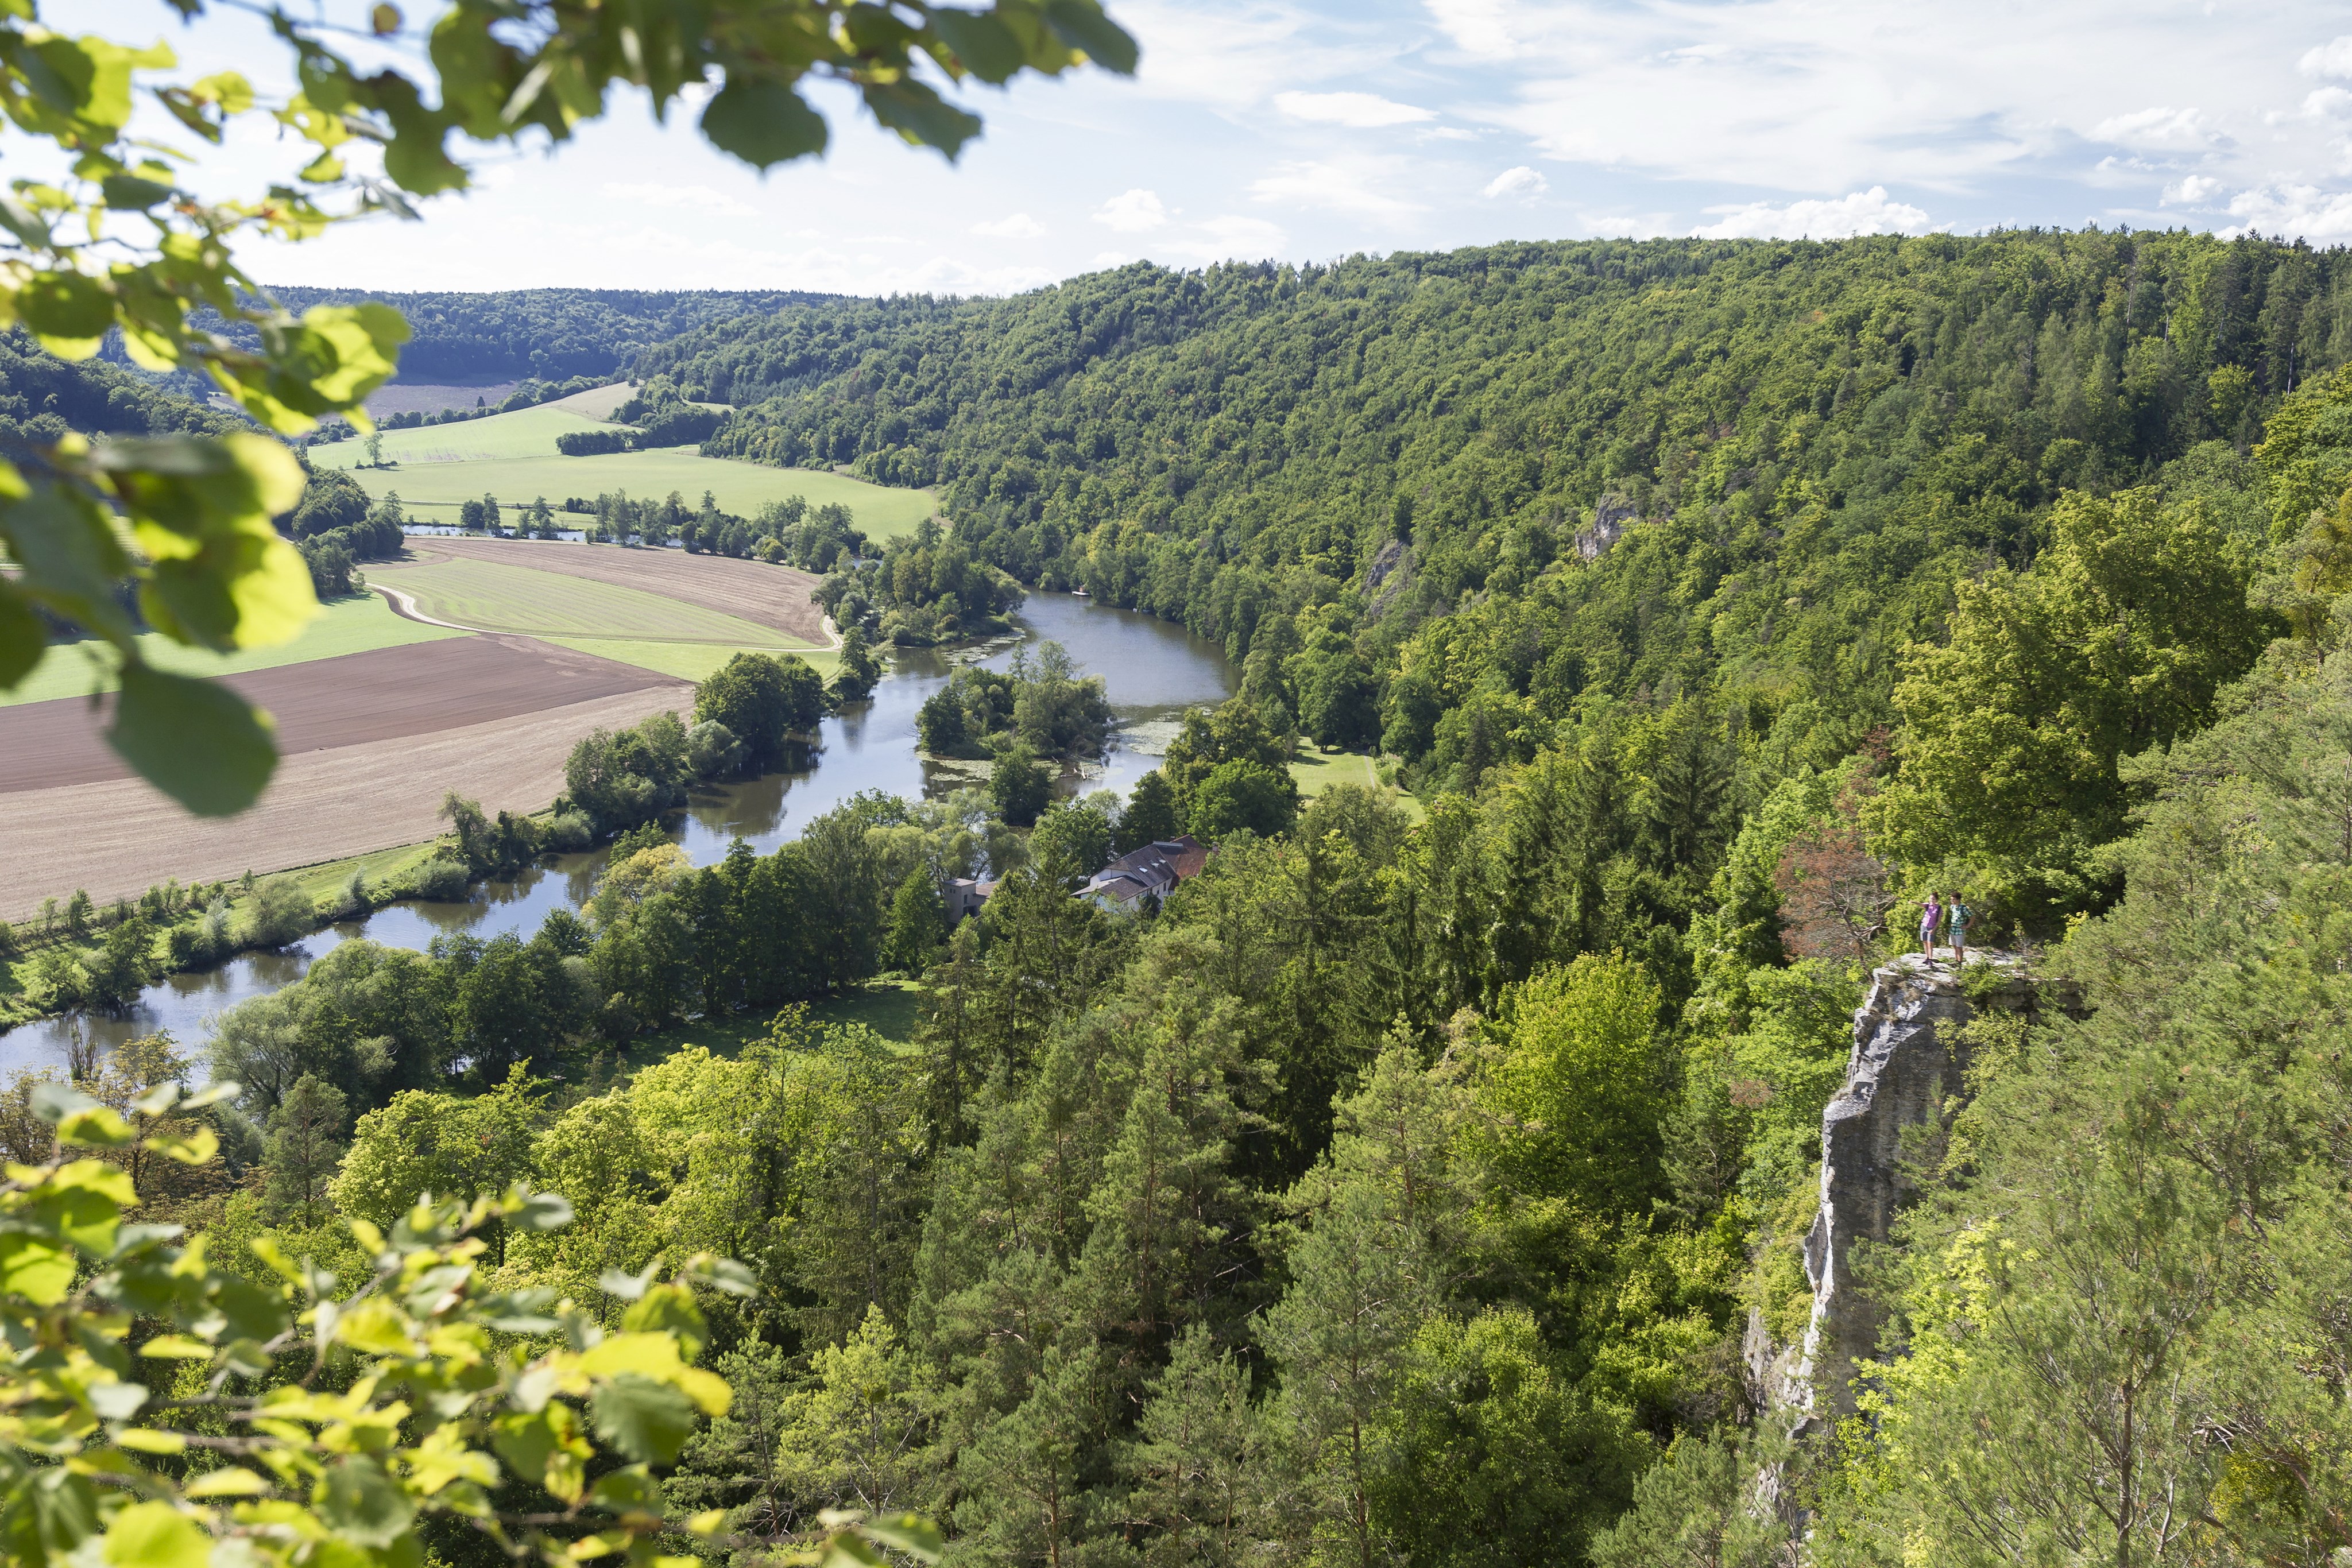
[1200,1467]
[304,1147]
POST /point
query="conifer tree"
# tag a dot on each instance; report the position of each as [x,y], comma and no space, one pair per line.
[305,1146]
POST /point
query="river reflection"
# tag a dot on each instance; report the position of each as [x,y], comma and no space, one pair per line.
[1151,671]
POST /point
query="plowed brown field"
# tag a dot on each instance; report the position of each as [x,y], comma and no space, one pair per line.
[117,836]
[355,700]
[772,595]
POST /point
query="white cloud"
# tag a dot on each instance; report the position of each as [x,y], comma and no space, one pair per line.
[2170,129]
[1332,188]
[1133,211]
[1235,54]
[2300,211]
[2332,59]
[2192,191]
[1476,26]
[1015,225]
[1862,212]
[1357,111]
[1234,236]
[1618,226]
[2328,103]
[1519,182]
[688,198]
[1450,133]
[1107,260]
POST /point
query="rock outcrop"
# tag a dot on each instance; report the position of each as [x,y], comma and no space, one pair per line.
[1908,1066]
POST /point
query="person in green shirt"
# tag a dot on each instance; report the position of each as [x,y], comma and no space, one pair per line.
[1958,919]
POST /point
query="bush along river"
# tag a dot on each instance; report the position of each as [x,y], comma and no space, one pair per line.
[1152,670]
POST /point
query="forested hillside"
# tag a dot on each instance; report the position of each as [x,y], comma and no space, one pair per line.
[550,334]
[1429,1182]
[1805,444]
[42,397]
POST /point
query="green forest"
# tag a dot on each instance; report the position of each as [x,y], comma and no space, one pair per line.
[547,334]
[1420,1186]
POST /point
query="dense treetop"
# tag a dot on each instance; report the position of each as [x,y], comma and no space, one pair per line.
[1822,436]
[553,334]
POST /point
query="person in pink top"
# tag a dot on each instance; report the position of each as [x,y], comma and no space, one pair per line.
[1931,920]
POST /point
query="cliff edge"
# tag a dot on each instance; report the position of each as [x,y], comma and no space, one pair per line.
[1910,1063]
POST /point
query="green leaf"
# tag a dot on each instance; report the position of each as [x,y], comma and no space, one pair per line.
[362,1504]
[21,639]
[630,1491]
[763,123]
[70,557]
[543,1211]
[197,742]
[628,1287]
[156,1535]
[251,1311]
[908,1533]
[921,116]
[1082,25]
[68,312]
[128,193]
[648,1421]
[40,1271]
[985,46]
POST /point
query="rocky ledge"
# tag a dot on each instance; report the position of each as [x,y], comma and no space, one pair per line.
[1909,1064]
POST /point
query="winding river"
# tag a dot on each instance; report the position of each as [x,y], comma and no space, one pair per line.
[1153,671]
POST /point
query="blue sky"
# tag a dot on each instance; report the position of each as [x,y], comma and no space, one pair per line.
[1309,131]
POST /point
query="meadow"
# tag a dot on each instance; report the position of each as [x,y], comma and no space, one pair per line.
[513,456]
[358,624]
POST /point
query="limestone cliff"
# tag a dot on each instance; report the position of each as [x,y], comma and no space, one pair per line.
[1907,1062]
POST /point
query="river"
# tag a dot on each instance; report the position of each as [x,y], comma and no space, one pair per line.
[1152,670]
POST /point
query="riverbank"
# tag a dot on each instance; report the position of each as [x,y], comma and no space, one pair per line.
[1154,670]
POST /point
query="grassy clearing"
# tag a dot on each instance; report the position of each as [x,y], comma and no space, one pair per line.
[432,491]
[355,626]
[1315,771]
[526,432]
[496,597]
[693,661]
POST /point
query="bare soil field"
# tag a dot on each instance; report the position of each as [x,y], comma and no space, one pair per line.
[329,705]
[116,837]
[773,596]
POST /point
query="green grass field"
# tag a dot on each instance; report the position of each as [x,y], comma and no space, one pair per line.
[353,625]
[1317,771]
[513,457]
[695,662]
[492,596]
[432,491]
[526,432]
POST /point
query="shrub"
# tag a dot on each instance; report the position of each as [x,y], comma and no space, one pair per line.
[569,833]
[712,750]
[281,913]
[442,879]
[352,902]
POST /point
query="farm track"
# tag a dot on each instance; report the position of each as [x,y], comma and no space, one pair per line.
[116,837]
[776,597]
[326,705]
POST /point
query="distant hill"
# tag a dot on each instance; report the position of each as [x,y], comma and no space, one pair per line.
[552,334]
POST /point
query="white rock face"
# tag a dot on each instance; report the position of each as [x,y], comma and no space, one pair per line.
[1906,1068]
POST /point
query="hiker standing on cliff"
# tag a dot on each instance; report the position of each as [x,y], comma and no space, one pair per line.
[1958,919]
[1931,916]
